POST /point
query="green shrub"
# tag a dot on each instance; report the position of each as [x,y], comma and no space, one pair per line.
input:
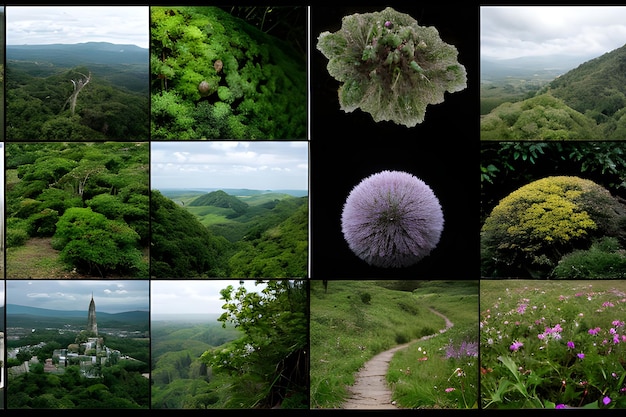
[604,259]
[527,233]
[16,232]
[366,298]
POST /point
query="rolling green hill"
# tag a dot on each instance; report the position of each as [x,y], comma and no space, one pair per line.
[587,102]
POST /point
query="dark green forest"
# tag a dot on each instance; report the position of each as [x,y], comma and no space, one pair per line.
[216,76]
[40,105]
[179,378]
[254,355]
[85,206]
[240,240]
[563,228]
[586,103]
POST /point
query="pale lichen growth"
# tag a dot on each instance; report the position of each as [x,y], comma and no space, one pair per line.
[390,66]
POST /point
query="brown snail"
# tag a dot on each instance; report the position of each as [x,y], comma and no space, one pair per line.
[204,87]
[218,65]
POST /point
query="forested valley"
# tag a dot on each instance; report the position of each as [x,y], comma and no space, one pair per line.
[215,234]
[585,103]
[77,209]
[253,355]
[77,92]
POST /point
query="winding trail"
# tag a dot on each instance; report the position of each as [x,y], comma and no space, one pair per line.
[370,390]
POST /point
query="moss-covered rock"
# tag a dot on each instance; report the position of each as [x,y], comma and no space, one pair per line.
[214,76]
[532,228]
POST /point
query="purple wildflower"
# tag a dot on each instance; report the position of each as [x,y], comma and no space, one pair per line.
[392,219]
[516,345]
[606,400]
[571,345]
[560,406]
[581,355]
[388,24]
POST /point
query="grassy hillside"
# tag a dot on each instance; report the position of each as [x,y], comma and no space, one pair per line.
[351,321]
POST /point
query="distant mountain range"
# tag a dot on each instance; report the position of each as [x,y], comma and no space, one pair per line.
[544,66]
[231,191]
[19,310]
[70,55]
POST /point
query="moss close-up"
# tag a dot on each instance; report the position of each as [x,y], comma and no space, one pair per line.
[390,66]
[214,76]
[532,228]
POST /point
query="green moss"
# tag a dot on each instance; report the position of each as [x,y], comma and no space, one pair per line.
[187,41]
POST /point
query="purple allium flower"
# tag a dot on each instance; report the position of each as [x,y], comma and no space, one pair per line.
[392,219]
[388,24]
[581,355]
[571,345]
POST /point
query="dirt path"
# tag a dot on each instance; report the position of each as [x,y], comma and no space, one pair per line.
[370,390]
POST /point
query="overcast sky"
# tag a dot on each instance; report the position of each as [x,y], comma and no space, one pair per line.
[192,296]
[110,296]
[257,165]
[516,31]
[38,25]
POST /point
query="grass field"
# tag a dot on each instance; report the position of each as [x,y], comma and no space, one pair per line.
[553,344]
[354,320]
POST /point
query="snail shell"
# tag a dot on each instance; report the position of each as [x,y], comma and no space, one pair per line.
[203,87]
[218,65]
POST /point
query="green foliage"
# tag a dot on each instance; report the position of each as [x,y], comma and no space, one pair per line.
[543,117]
[270,361]
[279,250]
[181,246]
[604,259]
[259,92]
[111,179]
[35,108]
[533,227]
[391,67]
[366,297]
[90,241]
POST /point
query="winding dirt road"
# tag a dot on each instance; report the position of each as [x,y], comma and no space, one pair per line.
[370,390]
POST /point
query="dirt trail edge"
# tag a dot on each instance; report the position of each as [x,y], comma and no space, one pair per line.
[370,390]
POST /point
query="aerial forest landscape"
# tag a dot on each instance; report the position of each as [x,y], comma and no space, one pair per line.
[87,90]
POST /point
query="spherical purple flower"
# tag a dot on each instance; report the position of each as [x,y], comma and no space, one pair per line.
[392,219]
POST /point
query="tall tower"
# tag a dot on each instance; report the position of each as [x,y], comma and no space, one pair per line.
[92,325]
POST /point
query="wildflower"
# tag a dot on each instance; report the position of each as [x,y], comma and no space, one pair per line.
[606,400]
[560,406]
[450,389]
[516,345]
[594,331]
[570,345]
[581,356]
[392,219]
[617,323]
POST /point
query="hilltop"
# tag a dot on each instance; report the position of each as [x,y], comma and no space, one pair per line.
[585,103]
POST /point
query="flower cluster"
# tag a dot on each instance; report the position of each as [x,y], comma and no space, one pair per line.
[392,219]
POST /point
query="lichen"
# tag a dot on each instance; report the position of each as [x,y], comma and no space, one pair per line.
[390,66]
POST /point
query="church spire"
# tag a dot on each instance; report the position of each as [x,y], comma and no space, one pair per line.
[92,325]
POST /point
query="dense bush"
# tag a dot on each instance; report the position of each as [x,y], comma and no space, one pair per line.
[527,233]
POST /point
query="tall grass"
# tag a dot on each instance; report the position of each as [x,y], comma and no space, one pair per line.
[355,320]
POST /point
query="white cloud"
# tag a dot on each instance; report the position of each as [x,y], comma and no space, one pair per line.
[515,31]
[37,25]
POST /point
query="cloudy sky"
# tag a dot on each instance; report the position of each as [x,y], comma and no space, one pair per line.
[110,296]
[37,25]
[257,165]
[192,296]
[516,31]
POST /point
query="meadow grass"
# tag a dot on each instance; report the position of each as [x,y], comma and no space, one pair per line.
[355,320]
[553,344]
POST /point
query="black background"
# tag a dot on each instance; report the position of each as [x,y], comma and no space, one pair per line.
[443,151]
